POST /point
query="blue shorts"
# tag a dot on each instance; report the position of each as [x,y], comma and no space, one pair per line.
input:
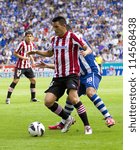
[89,80]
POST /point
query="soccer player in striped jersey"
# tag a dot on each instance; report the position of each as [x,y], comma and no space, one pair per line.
[90,78]
[24,66]
[65,48]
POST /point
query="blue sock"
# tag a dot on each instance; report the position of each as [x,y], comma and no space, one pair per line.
[100,105]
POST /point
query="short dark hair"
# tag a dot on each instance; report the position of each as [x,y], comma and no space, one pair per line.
[60,19]
[28,32]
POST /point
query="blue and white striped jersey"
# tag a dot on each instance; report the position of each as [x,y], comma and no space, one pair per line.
[88,63]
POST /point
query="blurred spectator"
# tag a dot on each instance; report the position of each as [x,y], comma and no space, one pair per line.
[2,54]
[8,56]
[99,60]
[100,21]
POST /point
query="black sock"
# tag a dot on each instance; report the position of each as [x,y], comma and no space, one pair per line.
[82,112]
[57,109]
[33,92]
[68,107]
[10,89]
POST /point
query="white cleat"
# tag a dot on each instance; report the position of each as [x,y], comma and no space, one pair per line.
[7,101]
[68,123]
[88,130]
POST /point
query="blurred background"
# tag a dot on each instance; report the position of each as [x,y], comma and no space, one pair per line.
[100,21]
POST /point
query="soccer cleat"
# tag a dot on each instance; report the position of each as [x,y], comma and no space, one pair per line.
[7,101]
[88,130]
[68,123]
[58,126]
[34,100]
[110,121]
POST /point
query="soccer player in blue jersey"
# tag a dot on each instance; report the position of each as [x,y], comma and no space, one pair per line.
[90,78]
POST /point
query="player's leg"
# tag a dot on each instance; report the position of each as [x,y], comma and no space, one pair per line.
[17,74]
[68,109]
[50,102]
[10,90]
[30,75]
[54,92]
[73,97]
[92,84]
[33,90]
[72,86]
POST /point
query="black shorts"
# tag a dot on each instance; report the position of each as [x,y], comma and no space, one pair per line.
[27,72]
[59,85]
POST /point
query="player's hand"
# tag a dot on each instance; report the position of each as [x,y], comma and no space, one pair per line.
[41,65]
[31,52]
[33,65]
[26,58]
[83,53]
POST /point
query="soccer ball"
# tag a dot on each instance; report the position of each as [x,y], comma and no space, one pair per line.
[36,129]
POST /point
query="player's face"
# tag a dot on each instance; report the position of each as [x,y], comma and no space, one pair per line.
[28,38]
[59,29]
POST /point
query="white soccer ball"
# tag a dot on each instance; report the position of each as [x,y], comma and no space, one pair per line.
[36,129]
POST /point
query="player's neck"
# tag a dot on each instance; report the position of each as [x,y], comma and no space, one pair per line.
[63,34]
[27,42]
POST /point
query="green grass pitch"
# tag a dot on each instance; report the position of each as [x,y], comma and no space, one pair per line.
[15,118]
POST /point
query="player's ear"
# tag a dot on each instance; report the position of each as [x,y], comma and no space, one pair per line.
[65,25]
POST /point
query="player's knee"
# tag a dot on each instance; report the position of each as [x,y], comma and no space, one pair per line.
[73,99]
[48,103]
[90,92]
[33,81]
[49,100]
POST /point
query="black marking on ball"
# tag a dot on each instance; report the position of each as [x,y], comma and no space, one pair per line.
[32,127]
[42,132]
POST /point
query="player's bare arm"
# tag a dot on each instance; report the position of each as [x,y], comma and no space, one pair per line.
[87,50]
[42,53]
[32,60]
[45,65]
[21,57]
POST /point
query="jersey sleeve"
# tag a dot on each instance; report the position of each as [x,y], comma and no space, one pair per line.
[51,48]
[19,47]
[77,40]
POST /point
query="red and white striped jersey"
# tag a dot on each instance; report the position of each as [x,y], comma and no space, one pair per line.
[22,50]
[66,50]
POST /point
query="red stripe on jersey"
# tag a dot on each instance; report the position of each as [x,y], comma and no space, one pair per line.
[56,58]
[63,57]
[19,47]
[22,49]
[66,54]
[75,55]
[31,48]
[71,56]
[77,39]
[18,50]
[24,61]
[22,54]
[19,62]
